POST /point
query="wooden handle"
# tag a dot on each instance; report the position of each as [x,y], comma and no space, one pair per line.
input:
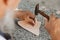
[43,14]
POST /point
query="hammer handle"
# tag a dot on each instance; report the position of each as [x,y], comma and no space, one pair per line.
[43,14]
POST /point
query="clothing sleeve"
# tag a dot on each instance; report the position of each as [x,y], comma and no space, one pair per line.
[2,38]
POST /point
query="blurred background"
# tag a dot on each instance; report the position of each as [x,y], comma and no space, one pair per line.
[48,6]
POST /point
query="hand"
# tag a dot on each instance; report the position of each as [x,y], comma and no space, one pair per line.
[53,27]
[26,16]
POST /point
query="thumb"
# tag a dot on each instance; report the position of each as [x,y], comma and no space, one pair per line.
[46,21]
[52,17]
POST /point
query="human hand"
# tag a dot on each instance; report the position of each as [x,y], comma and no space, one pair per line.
[26,16]
[53,27]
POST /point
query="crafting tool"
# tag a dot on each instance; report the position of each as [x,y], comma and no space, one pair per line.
[33,29]
[40,12]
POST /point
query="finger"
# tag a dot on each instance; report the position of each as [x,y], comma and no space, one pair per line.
[52,17]
[46,22]
[30,14]
[32,17]
[30,21]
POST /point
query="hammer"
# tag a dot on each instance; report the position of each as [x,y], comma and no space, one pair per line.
[40,12]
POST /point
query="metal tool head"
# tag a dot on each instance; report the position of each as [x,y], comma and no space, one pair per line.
[37,9]
[40,12]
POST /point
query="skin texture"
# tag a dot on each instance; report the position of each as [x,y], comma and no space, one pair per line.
[26,16]
[53,27]
[2,8]
[8,22]
[5,4]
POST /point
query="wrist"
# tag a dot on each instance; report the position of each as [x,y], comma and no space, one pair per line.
[55,36]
